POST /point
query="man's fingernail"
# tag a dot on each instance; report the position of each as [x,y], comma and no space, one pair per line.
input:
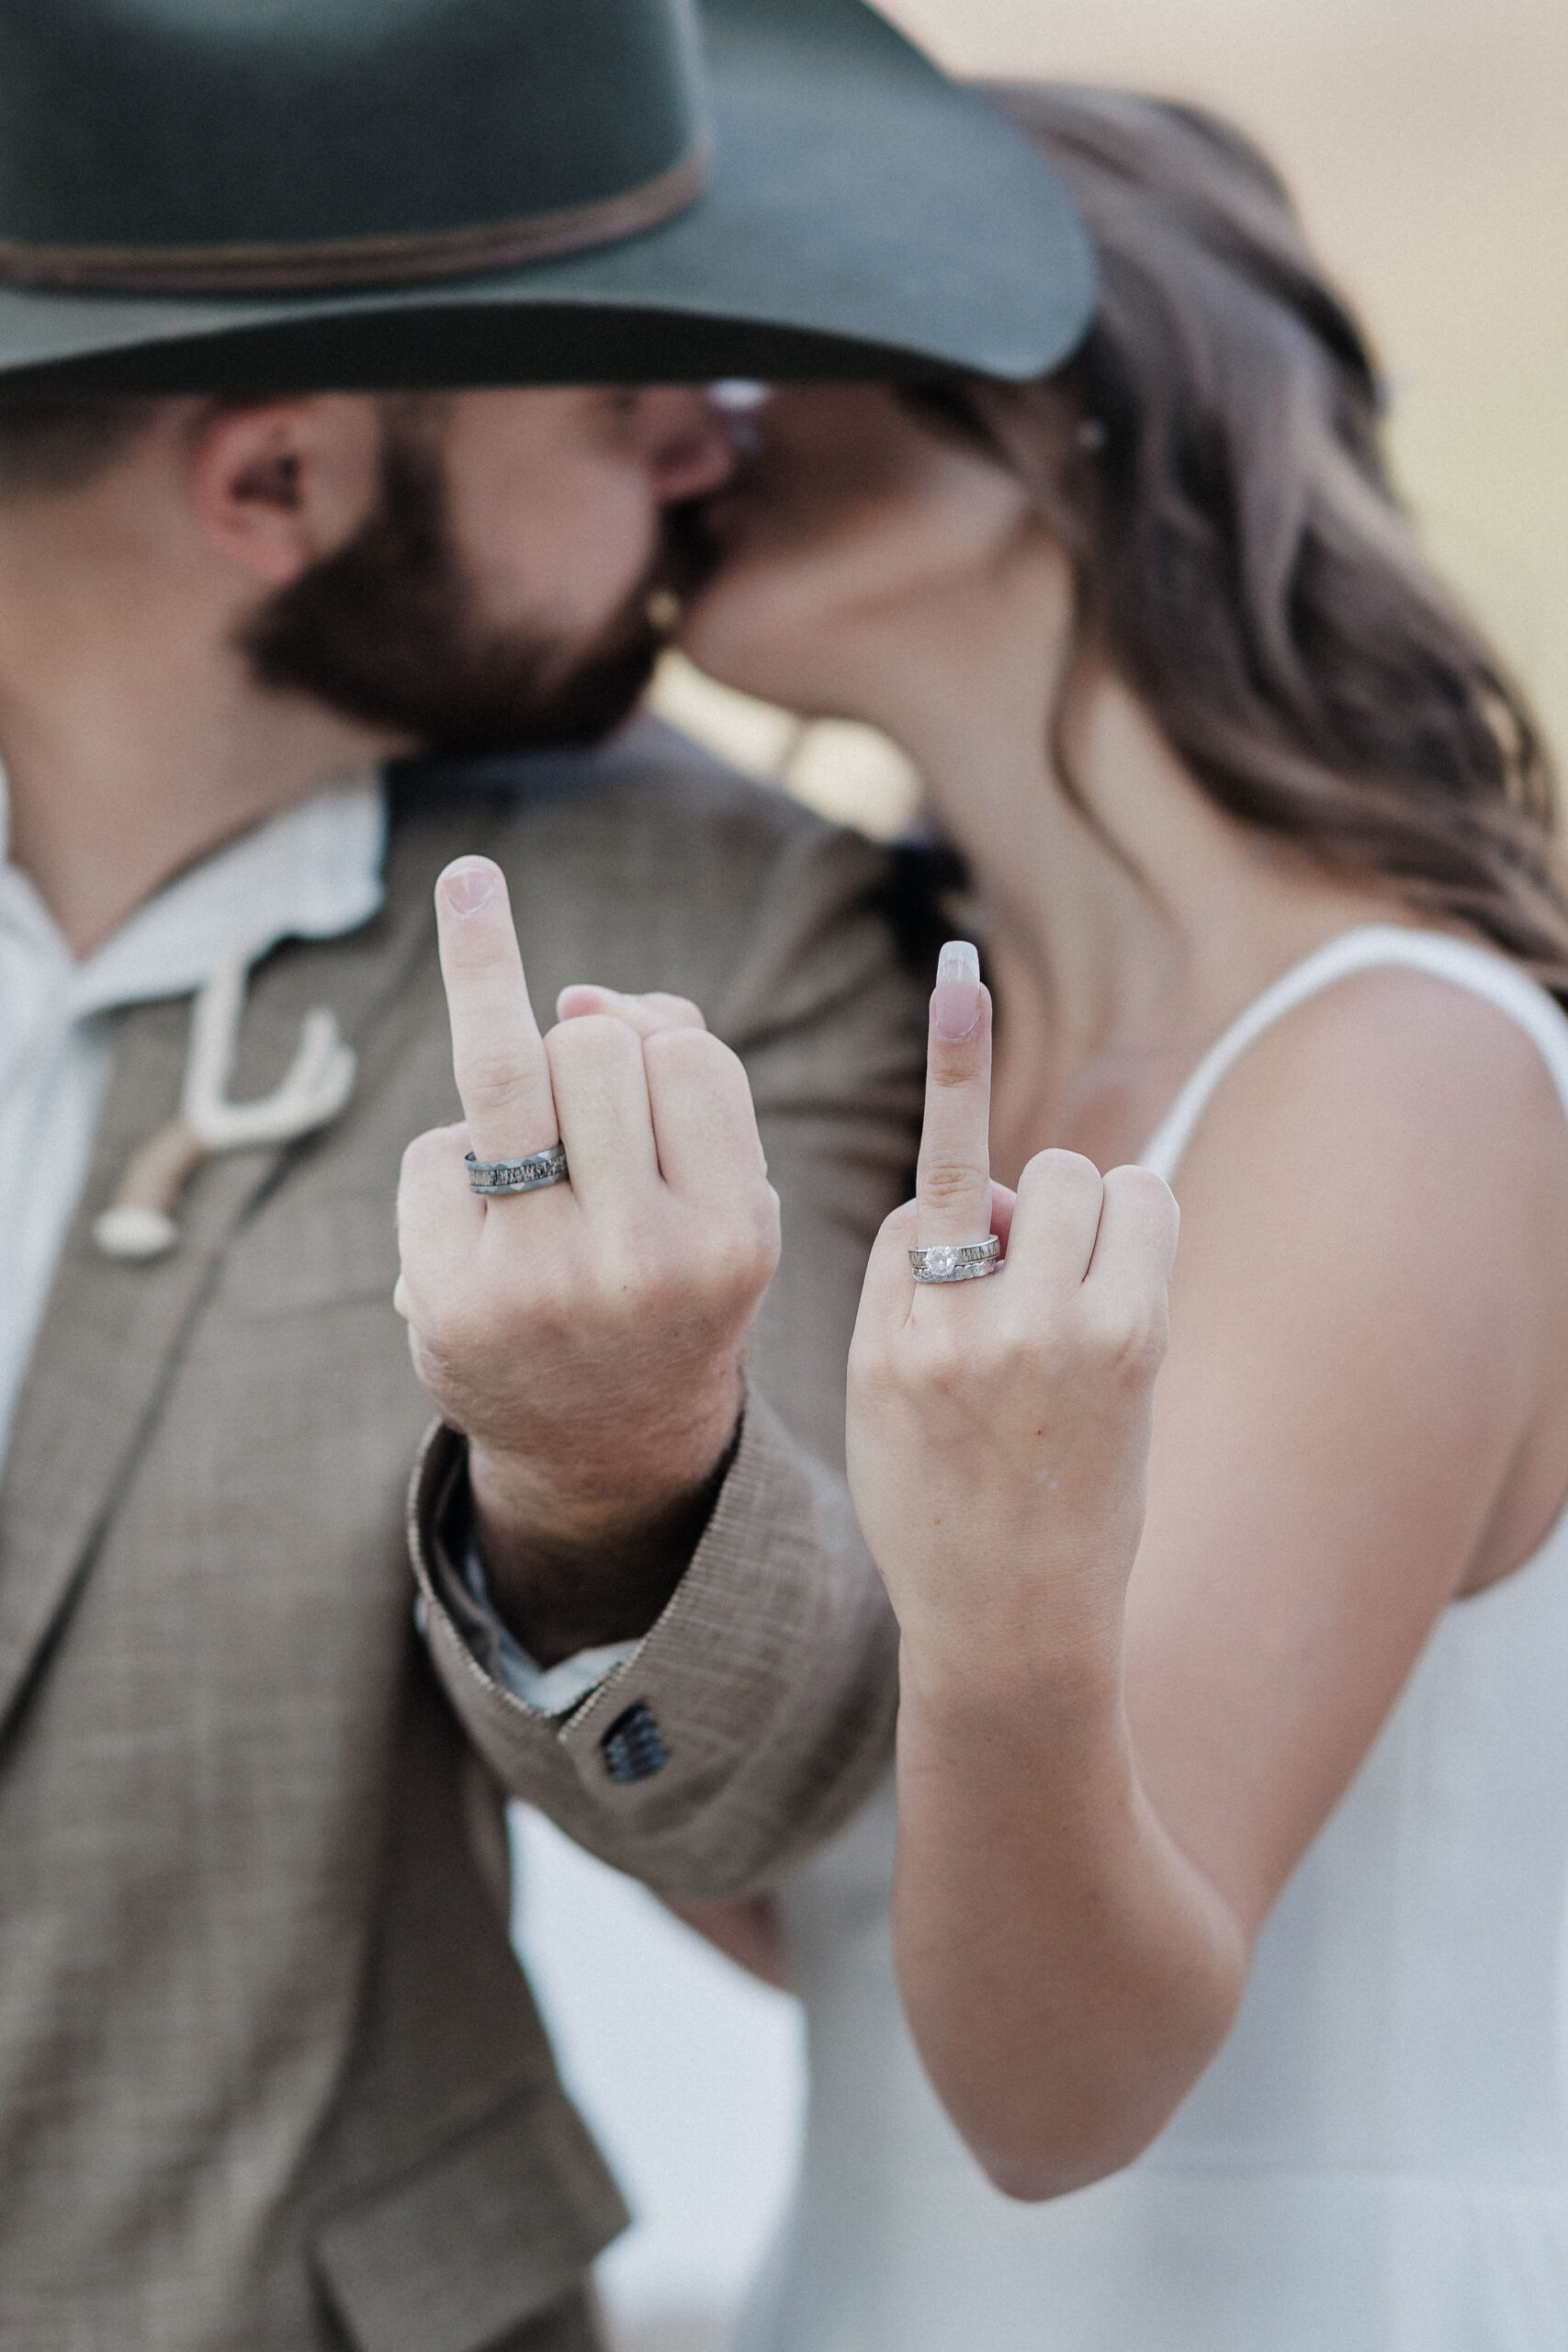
[955,1000]
[468,887]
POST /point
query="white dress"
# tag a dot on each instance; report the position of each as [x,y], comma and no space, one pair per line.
[1378,2159]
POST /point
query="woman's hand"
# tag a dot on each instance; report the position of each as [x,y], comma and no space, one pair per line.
[999,1427]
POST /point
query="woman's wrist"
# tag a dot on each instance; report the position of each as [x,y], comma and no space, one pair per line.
[1066,1695]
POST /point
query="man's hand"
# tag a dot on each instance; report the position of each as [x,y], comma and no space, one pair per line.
[587,1339]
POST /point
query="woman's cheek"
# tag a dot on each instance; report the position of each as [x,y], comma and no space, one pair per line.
[746,634]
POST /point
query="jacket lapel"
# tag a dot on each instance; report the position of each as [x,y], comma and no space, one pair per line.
[112,1331]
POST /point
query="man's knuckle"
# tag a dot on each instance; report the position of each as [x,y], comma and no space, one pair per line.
[590,1043]
[626,1280]
[428,1156]
[487,1079]
[692,1056]
[738,1248]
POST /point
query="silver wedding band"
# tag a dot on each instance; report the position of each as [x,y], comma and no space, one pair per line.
[530,1174]
[958,1261]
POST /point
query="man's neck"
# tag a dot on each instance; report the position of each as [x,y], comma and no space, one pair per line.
[103,815]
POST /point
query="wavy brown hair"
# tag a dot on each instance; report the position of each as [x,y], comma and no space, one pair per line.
[1210,457]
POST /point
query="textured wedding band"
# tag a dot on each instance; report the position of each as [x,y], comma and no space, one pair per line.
[958,1261]
[530,1174]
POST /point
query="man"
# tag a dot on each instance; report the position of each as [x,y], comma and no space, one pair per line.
[269,2077]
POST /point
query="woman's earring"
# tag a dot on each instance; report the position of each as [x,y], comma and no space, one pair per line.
[663,611]
[1091,436]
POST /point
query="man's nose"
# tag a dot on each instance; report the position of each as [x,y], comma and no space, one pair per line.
[687,440]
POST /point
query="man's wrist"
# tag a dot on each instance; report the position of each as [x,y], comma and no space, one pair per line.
[572,1578]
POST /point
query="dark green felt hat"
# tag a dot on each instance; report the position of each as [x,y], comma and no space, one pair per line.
[249,195]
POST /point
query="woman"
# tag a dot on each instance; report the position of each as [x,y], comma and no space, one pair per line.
[1233,1800]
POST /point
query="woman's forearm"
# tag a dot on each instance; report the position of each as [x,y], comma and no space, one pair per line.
[1066,1973]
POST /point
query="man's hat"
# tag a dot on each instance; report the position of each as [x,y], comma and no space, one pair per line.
[246,196]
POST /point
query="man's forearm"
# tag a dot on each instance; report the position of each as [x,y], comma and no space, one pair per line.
[744,1725]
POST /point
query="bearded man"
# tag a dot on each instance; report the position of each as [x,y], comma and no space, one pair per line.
[348,433]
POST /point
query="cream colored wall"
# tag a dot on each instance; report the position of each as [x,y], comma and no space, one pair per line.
[1427,143]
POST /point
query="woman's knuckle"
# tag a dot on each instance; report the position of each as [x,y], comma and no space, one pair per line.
[1060,1166]
[1127,1341]
[677,1008]
[942,1367]
[950,1177]
[872,1373]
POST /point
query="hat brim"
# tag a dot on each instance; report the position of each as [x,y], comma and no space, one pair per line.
[864,217]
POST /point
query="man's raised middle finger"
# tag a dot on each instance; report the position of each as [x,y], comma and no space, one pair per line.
[498,1055]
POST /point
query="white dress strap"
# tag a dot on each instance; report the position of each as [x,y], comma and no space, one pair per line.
[1483,970]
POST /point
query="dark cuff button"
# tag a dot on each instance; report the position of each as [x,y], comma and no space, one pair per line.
[634,1746]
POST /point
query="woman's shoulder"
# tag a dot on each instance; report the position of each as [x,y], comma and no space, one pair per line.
[1389,1032]
[1379,1189]
[1425,1108]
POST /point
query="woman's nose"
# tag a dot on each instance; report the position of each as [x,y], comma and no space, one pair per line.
[686,441]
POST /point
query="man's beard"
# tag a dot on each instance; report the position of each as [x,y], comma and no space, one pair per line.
[388,631]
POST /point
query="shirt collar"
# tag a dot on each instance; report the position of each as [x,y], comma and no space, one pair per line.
[311,872]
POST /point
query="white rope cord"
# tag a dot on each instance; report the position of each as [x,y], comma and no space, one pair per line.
[140,1221]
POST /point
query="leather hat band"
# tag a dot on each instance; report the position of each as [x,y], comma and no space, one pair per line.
[348,262]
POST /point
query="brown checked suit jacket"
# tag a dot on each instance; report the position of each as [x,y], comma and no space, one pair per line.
[270,2077]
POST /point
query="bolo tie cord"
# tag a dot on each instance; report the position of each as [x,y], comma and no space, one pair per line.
[140,1221]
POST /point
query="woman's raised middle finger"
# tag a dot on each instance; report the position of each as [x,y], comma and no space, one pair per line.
[952,1180]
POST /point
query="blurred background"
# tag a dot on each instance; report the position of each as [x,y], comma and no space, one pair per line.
[1426,141]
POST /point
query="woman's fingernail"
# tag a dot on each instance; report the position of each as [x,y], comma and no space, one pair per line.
[585,996]
[955,1000]
[468,886]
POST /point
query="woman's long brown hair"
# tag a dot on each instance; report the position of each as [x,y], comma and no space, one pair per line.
[1242,560]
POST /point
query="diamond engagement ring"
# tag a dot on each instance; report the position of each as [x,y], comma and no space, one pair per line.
[958,1261]
[530,1174]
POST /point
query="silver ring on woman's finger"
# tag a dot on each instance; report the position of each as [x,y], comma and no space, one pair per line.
[958,1261]
[530,1174]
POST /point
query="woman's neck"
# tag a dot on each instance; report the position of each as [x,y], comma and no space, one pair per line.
[1114,971]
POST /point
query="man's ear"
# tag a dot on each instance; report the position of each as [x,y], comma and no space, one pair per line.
[280,484]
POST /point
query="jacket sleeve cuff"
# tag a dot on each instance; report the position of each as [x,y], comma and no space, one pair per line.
[734,1735]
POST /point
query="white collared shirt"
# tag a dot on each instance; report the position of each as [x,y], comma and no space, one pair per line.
[311,873]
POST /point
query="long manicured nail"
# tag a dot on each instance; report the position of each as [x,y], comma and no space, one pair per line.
[955,1000]
[468,885]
